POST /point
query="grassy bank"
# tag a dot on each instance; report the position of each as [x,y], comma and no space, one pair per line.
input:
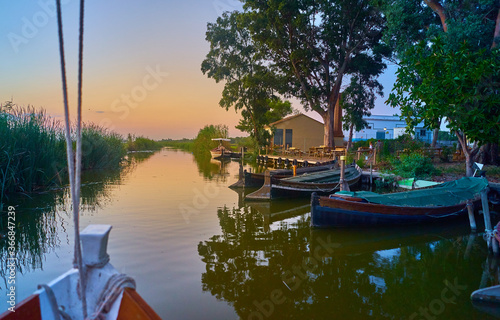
[33,150]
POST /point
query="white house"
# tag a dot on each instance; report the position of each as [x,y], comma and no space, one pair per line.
[388,127]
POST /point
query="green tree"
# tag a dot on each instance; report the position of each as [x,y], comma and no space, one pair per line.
[357,100]
[450,33]
[461,85]
[313,45]
[249,84]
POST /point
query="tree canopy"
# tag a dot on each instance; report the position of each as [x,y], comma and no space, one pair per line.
[302,49]
[449,65]
[249,85]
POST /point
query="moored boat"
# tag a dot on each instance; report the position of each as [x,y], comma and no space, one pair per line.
[439,203]
[303,185]
[220,151]
[254,179]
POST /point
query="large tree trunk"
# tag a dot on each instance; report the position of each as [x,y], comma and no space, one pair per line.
[469,153]
[349,142]
[328,126]
[435,135]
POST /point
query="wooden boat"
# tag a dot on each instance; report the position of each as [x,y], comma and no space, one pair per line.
[256,180]
[442,202]
[220,151]
[303,185]
[110,295]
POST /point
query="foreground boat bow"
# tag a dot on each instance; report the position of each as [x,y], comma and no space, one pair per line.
[110,295]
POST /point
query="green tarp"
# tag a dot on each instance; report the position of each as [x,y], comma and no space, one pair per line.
[444,194]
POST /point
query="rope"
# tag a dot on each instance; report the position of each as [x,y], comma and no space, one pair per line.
[74,168]
[114,286]
[58,312]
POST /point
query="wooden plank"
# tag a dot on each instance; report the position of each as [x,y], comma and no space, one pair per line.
[133,307]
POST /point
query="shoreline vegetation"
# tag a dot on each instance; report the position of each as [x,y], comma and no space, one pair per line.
[33,151]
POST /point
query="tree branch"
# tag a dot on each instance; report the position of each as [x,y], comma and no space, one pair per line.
[438,8]
[497,31]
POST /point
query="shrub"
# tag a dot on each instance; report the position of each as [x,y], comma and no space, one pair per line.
[413,165]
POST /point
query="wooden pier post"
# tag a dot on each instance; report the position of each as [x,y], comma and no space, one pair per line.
[472,220]
[344,186]
[492,243]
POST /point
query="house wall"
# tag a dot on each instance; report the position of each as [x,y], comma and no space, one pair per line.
[306,132]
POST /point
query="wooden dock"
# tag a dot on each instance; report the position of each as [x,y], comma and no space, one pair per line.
[288,161]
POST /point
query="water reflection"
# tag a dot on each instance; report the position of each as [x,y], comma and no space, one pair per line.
[39,220]
[211,169]
[269,268]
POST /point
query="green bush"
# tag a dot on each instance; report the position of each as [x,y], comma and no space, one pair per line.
[412,165]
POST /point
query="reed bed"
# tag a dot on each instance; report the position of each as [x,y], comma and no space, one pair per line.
[33,151]
[142,144]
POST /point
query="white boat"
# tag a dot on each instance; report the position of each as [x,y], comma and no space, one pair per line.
[110,295]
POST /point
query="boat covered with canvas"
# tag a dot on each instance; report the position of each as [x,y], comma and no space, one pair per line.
[363,208]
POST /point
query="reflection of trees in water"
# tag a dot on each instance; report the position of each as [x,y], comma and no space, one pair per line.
[38,219]
[211,169]
[387,274]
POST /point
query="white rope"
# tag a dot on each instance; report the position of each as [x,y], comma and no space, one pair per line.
[114,286]
[74,167]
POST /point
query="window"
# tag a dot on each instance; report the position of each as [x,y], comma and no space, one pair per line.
[278,137]
[423,132]
[288,138]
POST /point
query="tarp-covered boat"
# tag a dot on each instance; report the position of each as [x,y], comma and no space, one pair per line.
[444,201]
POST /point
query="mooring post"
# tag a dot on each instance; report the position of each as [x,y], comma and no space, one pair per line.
[343,184]
[371,174]
[472,220]
[492,243]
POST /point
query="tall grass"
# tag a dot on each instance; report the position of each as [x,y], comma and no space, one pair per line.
[33,150]
[183,144]
[142,144]
[101,148]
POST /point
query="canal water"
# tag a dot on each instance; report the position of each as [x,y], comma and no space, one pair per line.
[198,251]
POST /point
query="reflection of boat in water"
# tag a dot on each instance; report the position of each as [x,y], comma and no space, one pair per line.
[303,185]
[220,151]
[274,211]
[442,202]
[354,241]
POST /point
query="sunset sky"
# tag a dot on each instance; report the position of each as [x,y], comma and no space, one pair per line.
[141,64]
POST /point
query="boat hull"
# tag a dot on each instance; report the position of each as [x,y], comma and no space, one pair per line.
[339,212]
